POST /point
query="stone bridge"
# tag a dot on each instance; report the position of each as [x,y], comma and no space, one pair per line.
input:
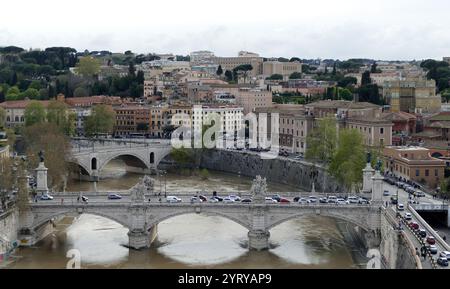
[140,156]
[142,217]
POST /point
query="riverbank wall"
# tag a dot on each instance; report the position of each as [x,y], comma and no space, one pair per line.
[278,170]
[9,224]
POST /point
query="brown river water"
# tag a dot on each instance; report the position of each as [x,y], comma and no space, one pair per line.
[188,241]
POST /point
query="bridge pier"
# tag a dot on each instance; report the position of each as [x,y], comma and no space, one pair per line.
[138,239]
[258,240]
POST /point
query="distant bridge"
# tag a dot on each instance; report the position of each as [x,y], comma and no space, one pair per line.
[141,156]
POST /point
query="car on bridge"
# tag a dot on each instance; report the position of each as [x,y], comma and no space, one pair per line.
[394,200]
[353,200]
[431,240]
[228,200]
[235,198]
[173,199]
[203,198]
[213,200]
[419,193]
[284,201]
[301,200]
[400,207]
[114,197]
[246,201]
[323,200]
[386,193]
[408,216]
[414,226]
[270,200]
[312,199]
[341,201]
[332,199]
[276,197]
[196,200]
[422,233]
[445,254]
[432,249]
[442,261]
[363,201]
[46,197]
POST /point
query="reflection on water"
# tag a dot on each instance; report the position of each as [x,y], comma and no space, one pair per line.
[189,241]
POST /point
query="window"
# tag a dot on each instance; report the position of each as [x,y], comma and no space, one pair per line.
[381,130]
[417,173]
[427,173]
[435,172]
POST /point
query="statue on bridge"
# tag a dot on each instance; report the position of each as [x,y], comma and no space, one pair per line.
[145,186]
[41,156]
[259,189]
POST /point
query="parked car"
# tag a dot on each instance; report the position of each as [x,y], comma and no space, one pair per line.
[332,199]
[422,233]
[363,201]
[432,249]
[312,199]
[270,200]
[246,201]
[213,200]
[445,254]
[353,200]
[386,193]
[323,200]
[442,261]
[196,200]
[284,201]
[173,199]
[228,200]
[431,240]
[419,194]
[400,207]
[46,197]
[302,201]
[408,217]
[114,197]
[276,197]
[235,198]
[341,201]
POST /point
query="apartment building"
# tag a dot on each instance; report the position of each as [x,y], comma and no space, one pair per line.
[132,119]
[15,111]
[229,63]
[415,96]
[231,118]
[283,68]
[250,99]
[414,163]
[201,56]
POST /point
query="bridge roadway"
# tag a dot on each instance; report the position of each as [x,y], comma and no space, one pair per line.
[403,197]
[142,217]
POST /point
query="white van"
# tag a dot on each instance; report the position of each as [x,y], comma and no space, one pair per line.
[173,199]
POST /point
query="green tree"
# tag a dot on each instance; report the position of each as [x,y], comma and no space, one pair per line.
[182,156]
[58,114]
[101,120]
[275,77]
[219,71]
[349,159]
[34,113]
[229,75]
[30,93]
[12,93]
[88,66]
[365,78]
[322,141]
[295,75]
[2,117]
[80,92]
[47,137]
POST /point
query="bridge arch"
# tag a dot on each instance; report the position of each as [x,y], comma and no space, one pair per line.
[232,218]
[83,167]
[355,221]
[135,156]
[71,212]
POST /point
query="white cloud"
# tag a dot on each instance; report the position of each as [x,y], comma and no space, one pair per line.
[342,29]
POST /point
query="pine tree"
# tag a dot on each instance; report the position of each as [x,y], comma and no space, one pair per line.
[219,70]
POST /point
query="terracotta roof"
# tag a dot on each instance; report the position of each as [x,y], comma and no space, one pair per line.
[342,104]
[399,116]
[21,103]
[445,115]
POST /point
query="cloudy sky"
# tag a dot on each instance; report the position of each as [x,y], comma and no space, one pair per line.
[342,29]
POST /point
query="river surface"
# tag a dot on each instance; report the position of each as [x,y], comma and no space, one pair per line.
[188,241]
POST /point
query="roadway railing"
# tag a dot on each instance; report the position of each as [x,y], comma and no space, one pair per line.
[428,228]
[392,220]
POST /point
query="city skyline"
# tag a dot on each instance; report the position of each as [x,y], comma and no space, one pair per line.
[323,29]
